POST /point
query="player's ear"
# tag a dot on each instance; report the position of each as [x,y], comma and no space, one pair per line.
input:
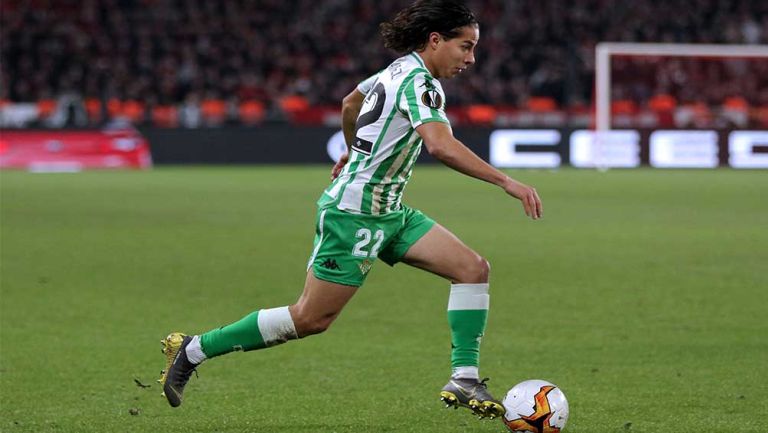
[434,40]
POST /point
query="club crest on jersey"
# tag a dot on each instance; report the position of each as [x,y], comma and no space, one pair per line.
[365,266]
[432,99]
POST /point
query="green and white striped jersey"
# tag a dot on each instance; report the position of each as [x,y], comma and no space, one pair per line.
[398,99]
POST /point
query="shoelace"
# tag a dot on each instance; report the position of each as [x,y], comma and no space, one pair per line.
[483,383]
[187,374]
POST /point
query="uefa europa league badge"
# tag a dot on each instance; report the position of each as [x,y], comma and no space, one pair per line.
[432,99]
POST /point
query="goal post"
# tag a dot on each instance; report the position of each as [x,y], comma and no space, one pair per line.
[604,51]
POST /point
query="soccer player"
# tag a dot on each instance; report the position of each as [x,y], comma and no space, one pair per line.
[361,217]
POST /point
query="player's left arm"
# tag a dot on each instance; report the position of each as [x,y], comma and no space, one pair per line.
[350,109]
[441,144]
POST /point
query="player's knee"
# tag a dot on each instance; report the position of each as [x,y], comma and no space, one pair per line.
[311,329]
[476,270]
[483,269]
[307,325]
[318,326]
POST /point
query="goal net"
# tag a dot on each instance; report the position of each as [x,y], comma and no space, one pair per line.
[686,94]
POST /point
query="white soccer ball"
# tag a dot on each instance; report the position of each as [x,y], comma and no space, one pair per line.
[535,406]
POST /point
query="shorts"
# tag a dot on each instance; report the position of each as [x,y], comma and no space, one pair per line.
[346,244]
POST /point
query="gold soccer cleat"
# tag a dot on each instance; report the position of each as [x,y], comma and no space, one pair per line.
[171,345]
[472,394]
[178,369]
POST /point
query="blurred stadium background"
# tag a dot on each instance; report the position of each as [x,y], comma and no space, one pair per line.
[169,66]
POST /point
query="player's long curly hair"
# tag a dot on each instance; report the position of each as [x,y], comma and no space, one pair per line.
[410,29]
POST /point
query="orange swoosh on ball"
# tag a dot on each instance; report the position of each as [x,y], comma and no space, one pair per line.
[538,421]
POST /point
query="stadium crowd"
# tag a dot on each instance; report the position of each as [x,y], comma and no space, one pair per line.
[171,61]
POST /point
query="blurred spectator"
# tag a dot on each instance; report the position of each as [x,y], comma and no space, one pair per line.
[172,54]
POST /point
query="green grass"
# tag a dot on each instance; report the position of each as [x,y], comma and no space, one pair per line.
[643,294]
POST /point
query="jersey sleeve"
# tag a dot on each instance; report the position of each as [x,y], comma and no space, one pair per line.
[423,101]
[366,85]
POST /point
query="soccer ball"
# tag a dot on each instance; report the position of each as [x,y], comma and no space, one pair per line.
[535,406]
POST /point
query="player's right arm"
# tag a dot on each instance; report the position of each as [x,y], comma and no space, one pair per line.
[441,144]
[350,109]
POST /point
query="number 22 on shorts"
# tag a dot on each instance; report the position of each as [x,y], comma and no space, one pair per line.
[365,238]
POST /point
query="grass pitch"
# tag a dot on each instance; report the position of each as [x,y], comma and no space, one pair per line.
[643,294]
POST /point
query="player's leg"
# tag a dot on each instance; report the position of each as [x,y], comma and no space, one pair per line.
[439,251]
[430,246]
[442,253]
[319,305]
[344,252]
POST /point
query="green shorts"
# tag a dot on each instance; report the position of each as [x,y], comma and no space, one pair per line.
[347,244]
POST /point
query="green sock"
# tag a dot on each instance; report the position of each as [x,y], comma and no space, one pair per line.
[242,335]
[467,316]
[260,329]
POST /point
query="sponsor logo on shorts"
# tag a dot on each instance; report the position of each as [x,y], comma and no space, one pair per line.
[330,264]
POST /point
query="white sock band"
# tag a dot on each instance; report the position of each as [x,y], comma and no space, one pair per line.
[276,326]
[469,297]
[466,373]
[195,351]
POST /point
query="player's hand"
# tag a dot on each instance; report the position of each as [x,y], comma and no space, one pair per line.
[339,166]
[527,195]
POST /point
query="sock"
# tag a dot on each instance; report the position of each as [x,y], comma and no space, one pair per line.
[467,315]
[466,373]
[260,329]
[195,352]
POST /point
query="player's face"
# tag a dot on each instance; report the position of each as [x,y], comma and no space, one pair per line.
[454,56]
